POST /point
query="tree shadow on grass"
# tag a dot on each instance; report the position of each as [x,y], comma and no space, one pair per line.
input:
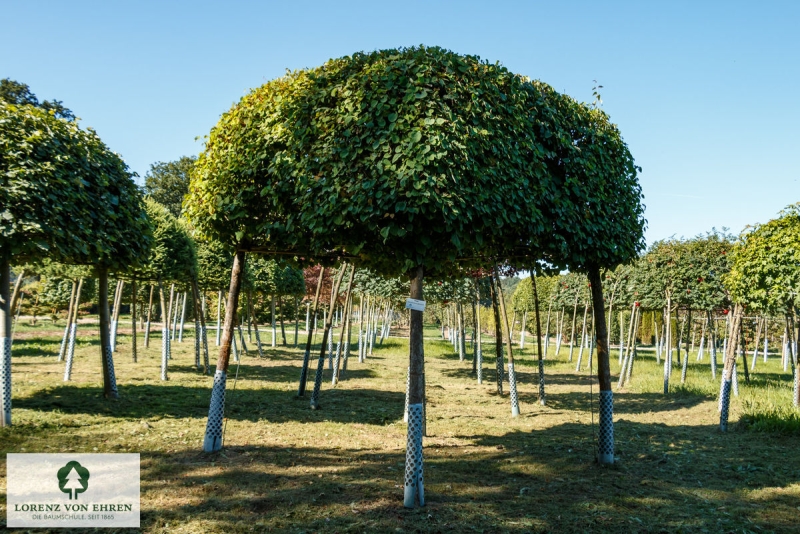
[624,402]
[667,479]
[141,401]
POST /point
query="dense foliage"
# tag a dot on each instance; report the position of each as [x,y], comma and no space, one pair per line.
[418,156]
[65,195]
[765,266]
[168,182]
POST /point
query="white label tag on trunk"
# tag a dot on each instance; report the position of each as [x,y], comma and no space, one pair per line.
[414,304]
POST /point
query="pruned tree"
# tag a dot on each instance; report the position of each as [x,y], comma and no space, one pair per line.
[765,275]
[385,160]
[68,197]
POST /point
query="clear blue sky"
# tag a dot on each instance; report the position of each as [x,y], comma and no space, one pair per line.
[705,93]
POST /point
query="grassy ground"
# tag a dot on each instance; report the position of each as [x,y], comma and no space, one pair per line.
[286,468]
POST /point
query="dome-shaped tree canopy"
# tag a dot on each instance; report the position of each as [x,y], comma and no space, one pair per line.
[173,256]
[765,264]
[65,194]
[275,277]
[399,157]
[214,260]
[592,198]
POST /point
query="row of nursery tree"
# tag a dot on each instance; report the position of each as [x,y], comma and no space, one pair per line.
[417,163]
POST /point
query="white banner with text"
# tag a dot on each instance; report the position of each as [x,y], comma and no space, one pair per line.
[72,490]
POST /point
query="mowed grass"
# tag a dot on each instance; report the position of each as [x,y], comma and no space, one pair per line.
[285,468]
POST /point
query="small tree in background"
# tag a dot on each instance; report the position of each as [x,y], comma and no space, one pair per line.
[168,182]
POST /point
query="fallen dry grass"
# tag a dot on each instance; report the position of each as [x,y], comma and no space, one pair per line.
[286,468]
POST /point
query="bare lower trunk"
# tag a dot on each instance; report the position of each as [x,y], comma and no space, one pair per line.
[574,321]
[728,368]
[164,330]
[414,492]
[109,380]
[5,341]
[539,348]
[304,370]
[326,332]
[203,334]
[280,310]
[512,380]
[133,320]
[149,317]
[63,349]
[16,293]
[345,318]
[213,436]
[606,426]
[498,335]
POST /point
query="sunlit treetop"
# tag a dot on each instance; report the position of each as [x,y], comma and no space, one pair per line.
[65,195]
[765,264]
[418,156]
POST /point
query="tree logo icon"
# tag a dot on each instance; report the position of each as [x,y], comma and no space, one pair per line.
[73,478]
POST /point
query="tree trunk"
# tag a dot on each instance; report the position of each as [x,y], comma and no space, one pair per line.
[512,377]
[475,336]
[583,336]
[712,327]
[5,339]
[542,398]
[73,321]
[730,362]
[171,313]
[109,380]
[149,316]
[17,290]
[605,444]
[743,353]
[165,340]
[759,324]
[546,329]
[792,357]
[115,314]
[63,349]
[498,335]
[414,492]
[183,317]
[633,353]
[304,370]
[340,346]
[348,325]
[219,308]
[460,320]
[478,348]
[249,319]
[133,320]
[668,346]
[273,324]
[280,309]
[203,332]
[326,332]
[574,320]
[685,361]
[296,320]
[252,315]
[213,436]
